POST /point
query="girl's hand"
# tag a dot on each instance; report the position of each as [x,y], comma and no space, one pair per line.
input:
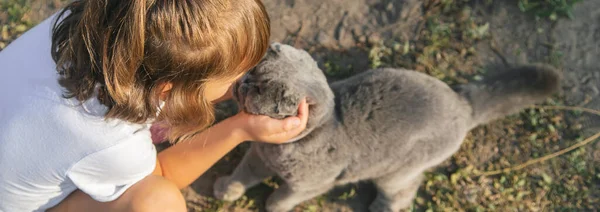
[269,130]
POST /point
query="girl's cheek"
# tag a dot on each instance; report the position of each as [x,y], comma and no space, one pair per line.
[159,133]
[216,91]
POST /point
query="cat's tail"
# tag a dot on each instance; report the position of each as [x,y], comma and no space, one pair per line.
[509,91]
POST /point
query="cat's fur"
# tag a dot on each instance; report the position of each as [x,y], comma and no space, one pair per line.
[384,125]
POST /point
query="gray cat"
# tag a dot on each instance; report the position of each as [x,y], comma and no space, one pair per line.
[384,125]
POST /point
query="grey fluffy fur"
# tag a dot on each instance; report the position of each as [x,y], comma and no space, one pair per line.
[384,125]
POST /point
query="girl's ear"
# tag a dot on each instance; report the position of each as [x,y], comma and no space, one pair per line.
[164,91]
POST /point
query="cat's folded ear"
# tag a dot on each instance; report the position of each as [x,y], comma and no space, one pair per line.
[310,100]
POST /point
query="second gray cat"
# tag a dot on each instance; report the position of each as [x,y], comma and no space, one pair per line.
[384,125]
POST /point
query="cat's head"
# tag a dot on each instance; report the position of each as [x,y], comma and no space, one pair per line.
[278,83]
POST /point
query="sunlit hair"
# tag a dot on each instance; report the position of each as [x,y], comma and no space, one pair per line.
[128,48]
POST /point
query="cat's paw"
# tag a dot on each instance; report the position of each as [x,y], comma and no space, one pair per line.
[381,205]
[226,190]
[277,208]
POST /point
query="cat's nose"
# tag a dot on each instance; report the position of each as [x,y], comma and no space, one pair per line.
[257,89]
[245,79]
[243,89]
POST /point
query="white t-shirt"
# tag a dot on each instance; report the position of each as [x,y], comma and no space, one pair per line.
[51,146]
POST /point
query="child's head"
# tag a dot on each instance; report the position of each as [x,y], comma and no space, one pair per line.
[132,48]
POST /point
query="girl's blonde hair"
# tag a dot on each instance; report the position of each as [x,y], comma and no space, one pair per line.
[129,47]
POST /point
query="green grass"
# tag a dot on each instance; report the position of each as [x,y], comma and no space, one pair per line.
[14,21]
[15,9]
[551,9]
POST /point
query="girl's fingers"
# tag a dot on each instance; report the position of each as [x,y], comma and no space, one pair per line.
[292,124]
[299,122]
[303,112]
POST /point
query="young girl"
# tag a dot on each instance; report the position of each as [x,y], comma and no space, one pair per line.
[76,106]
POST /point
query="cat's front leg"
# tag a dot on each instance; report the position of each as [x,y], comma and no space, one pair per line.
[395,191]
[248,173]
[285,198]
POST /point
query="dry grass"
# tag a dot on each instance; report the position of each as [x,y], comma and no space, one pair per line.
[562,173]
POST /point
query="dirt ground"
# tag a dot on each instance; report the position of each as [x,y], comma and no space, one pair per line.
[454,40]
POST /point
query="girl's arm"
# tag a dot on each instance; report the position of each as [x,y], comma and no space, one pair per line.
[184,162]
